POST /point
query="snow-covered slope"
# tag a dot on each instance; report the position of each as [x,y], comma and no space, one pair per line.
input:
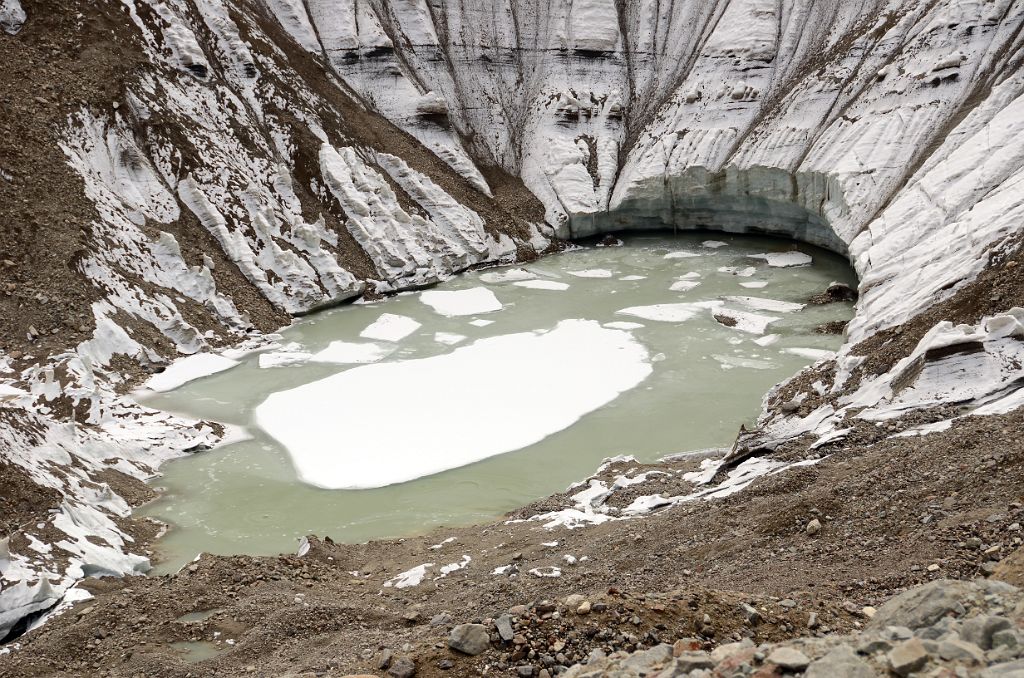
[255,136]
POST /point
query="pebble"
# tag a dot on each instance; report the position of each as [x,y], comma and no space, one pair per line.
[813,527]
[907,657]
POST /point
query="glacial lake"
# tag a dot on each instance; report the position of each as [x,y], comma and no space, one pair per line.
[501,386]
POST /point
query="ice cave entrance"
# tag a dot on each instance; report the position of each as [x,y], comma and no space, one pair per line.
[499,387]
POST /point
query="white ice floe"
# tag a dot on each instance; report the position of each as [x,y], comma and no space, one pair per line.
[767,340]
[462,302]
[714,244]
[683,285]
[763,304]
[390,327]
[754,284]
[672,313]
[392,422]
[542,285]
[592,273]
[449,338]
[283,358]
[480,322]
[409,578]
[352,353]
[632,278]
[740,272]
[744,321]
[682,254]
[193,367]
[507,275]
[784,259]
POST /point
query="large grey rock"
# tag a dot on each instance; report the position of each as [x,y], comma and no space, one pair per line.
[504,626]
[980,629]
[403,667]
[471,639]
[961,651]
[907,657]
[789,658]
[691,661]
[920,607]
[1008,670]
[842,661]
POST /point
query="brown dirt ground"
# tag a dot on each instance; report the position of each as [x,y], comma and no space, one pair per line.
[890,508]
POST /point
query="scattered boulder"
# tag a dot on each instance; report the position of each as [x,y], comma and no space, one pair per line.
[402,667]
[907,657]
[789,658]
[471,639]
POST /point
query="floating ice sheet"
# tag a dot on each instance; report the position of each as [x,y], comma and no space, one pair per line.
[390,327]
[784,259]
[388,423]
[462,302]
[592,273]
[542,285]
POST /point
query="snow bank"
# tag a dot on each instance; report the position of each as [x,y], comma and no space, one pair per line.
[188,369]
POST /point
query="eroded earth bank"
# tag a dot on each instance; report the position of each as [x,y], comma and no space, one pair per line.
[183,177]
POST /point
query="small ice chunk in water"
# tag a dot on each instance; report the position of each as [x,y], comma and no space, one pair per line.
[767,340]
[481,322]
[188,369]
[592,273]
[462,302]
[683,285]
[743,321]
[784,259]
[681,254]
[754,284]
[714,244]
[631,278]
[507,275]
[745,272]
[292,354]
[542,285]
[672,313]
[392,422]
[762,304]
[351,353]
[390,327]
[448,338]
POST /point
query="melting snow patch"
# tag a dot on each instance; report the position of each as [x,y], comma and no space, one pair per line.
[435,547]
[501,570]
[453,567]
[547,571]
[409,578]
[188,369]
[462,302]
[374,446]
[784,259]
[390,327]
[542,285]
[351,353]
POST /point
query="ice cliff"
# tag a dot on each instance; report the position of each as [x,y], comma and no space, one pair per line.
[270,132]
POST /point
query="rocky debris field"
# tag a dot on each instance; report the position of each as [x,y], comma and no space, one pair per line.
[789,557]
[945,629]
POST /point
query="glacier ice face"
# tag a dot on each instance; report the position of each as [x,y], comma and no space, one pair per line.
[888,130]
